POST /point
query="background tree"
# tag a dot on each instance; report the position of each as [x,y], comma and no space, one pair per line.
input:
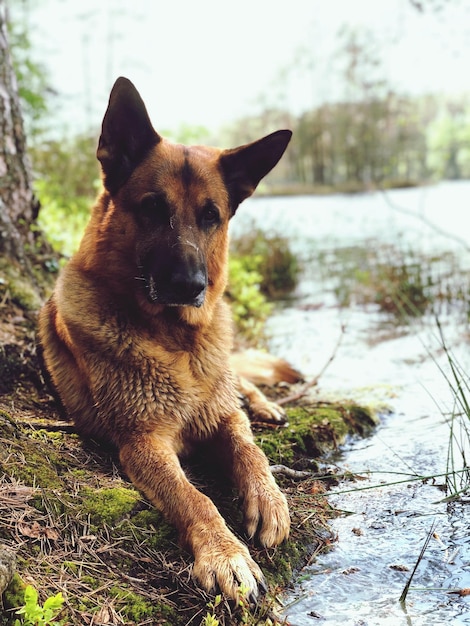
[33,85]
[18,206]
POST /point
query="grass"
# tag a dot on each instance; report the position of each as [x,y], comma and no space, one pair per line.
[402,283]
[404,593]
[458,449]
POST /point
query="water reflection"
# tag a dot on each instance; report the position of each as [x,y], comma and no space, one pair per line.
[360,581]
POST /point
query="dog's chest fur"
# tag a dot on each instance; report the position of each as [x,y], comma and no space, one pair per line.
[179,382]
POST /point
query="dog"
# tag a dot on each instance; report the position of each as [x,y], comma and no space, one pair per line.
[136,336]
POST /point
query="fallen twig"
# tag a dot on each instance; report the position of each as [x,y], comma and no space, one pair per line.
[312,383]
[289,472]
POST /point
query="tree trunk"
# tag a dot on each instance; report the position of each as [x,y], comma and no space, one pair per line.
[18,207]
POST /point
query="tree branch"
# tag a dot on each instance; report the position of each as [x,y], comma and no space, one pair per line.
[312,383]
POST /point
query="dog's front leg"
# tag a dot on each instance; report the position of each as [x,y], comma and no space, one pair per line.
[264,505]
[221,561]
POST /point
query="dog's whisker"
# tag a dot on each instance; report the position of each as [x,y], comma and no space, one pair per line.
[191,244]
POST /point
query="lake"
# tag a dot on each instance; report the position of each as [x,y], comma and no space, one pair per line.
[382,361]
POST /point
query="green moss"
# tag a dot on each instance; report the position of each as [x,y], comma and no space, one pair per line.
[32,462]
[150,525]
[13,596]
[136,608]
[43,434]
[278,565]
[23,294]
[276,447]
[133,607]
[363,419]
[39,470]
[70,566]
[92,582]
[108,505]
[7,424]
[17,288]
[314,430]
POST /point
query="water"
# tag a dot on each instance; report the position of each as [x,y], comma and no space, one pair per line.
[360,581]
[382,216]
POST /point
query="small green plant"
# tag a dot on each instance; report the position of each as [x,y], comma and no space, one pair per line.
[33,614]
[57,211]
[403,288]
[210,619]
[261,268]
[277,264]
[250,308]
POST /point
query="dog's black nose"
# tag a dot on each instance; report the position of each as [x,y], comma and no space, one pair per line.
[188,285]
[175,279]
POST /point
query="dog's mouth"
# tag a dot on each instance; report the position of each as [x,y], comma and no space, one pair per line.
[188,292]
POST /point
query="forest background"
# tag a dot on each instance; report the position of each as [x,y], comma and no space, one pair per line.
[358,129]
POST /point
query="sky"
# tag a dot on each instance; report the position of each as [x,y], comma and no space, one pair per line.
[208,62]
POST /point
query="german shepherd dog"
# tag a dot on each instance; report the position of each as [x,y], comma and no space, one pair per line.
[137,337]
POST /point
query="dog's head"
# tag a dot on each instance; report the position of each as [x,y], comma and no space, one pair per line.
[179,200]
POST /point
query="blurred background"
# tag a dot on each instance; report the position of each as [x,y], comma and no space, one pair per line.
[376,92]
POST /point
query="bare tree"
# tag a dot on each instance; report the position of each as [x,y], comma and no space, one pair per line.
[18,206]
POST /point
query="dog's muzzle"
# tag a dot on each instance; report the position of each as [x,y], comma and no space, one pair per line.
[178,290]
[174,274]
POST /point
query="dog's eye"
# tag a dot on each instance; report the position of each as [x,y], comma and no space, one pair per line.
[153,207]
[210,215]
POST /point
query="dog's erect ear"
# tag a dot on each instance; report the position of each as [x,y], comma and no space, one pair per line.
[126,136]
[245,166]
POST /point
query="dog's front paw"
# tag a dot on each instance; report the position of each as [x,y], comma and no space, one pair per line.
[227,566]
[266,511]
[266,411]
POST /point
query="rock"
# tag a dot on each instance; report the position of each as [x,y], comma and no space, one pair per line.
[7,567]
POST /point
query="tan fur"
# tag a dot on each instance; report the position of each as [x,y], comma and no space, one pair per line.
[262,368]
[150,376]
